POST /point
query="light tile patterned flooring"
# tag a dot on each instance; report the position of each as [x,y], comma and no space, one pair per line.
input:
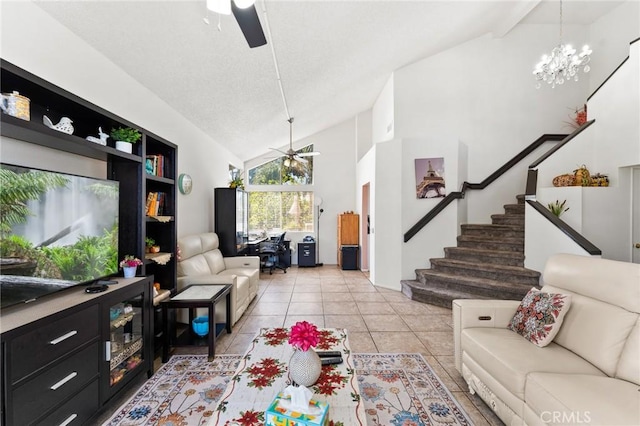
[377,320]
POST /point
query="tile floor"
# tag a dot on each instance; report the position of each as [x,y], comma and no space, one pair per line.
[377,320]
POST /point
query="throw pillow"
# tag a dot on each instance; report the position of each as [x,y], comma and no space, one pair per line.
[540,315]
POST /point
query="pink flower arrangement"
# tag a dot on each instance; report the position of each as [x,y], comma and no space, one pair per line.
[130,261]
[304,335]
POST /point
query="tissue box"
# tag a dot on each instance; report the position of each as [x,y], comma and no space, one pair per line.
[277,415]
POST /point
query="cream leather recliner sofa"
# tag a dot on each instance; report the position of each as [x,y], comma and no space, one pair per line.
[201,262]
[589,374]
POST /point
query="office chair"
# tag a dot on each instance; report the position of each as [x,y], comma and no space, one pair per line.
[270,252]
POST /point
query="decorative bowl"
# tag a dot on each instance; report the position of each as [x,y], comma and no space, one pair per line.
[200,325]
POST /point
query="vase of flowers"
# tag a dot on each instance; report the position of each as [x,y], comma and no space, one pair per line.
[305,366]
[129,265]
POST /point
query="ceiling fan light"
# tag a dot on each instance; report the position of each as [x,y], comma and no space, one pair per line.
[287,162]
[243,4]
[222,7]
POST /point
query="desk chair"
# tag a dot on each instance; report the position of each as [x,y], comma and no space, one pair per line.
[270,252]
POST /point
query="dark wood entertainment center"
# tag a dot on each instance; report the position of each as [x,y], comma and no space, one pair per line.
[25,365]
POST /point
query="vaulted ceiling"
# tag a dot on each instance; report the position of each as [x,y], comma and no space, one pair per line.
[334,56]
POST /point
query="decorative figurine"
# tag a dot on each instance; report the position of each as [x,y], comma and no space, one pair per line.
[63,126]
[102,140]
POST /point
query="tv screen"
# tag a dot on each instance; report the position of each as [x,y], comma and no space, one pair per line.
[56,231]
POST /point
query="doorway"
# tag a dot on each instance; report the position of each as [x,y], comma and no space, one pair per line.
[365,228]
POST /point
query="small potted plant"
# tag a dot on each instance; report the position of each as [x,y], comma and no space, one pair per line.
[151,245]
[558,207]
[125,137]
[129,265]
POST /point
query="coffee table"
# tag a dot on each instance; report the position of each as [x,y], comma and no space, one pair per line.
[192,297]
[263,372]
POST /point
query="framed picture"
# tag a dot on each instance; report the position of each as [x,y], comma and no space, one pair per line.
[430,177]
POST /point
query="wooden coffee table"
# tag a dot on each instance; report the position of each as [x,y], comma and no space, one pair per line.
[192,297]
[263,372]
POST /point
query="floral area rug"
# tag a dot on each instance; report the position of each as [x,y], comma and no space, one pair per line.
[397,390]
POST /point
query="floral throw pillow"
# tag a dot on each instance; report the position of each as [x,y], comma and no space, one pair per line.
[539,316]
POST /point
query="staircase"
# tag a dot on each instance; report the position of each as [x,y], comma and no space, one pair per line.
[488,263]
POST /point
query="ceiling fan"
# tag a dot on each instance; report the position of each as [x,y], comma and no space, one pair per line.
[245,13]
[291,155]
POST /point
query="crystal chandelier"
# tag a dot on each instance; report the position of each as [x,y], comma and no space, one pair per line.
[563,63]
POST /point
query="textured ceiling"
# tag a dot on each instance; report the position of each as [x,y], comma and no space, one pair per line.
[334,56]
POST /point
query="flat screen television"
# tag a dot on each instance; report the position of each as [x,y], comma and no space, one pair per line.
[56,231]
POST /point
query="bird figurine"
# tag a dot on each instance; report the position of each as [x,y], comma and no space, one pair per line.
[102,140]
[63,126]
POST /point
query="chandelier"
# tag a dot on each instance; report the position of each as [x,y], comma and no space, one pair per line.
[563,64]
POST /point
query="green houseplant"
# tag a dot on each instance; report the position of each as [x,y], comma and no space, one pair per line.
[125,137]
[558,207]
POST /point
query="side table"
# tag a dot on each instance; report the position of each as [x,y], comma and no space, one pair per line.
[192,297]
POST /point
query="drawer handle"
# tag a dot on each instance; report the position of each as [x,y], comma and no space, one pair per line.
[63,337]
[484,318]
[65,380]
[69,420]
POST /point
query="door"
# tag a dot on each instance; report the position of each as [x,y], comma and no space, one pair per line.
[635,226]
[365,229]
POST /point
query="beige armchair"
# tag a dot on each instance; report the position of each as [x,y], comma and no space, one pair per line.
[201,262]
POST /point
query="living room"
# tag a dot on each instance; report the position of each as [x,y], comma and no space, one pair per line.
[475,120]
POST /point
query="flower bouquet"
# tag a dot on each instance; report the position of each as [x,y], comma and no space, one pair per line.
[130,261]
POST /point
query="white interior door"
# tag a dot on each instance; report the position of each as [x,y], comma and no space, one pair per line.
[635,202]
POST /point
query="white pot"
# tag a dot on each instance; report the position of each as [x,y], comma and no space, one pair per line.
[124,146]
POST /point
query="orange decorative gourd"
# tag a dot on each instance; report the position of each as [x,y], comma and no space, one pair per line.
[582,176]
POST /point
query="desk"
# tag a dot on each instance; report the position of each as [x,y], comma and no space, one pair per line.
[192,297]
[263,372]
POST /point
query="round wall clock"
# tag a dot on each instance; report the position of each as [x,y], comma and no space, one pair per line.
[185,184]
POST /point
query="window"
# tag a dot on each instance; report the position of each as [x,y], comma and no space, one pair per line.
[276,211]
[282,172]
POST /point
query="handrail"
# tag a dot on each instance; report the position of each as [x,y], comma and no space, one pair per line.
[486,182]
[548,154]
[564,227]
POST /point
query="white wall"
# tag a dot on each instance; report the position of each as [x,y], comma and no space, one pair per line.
[609,38]
[383,125]
[364,138]
[32,40]
[543,240]
[387,203]
[334,175]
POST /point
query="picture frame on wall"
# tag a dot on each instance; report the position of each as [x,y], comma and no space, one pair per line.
[430,177]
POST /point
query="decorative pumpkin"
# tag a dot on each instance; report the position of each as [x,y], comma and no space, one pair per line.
[582,176]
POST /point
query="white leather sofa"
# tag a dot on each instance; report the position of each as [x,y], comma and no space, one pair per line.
[589,374]
[201,262]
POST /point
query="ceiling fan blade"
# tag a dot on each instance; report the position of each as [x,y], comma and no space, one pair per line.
[249,24]
[307,154]
[300,159]
[276,149]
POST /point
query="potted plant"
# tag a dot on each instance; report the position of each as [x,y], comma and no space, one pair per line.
[236,180]
[129,265]
[125,137]
[151,245]
[557,208]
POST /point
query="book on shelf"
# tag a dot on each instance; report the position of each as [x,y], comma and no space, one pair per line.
[155,165]
[156,204]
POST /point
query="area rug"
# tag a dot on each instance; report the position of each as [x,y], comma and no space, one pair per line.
[397,390]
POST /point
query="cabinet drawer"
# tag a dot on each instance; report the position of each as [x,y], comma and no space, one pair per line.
[54,385]
[36,349]
[77,410]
